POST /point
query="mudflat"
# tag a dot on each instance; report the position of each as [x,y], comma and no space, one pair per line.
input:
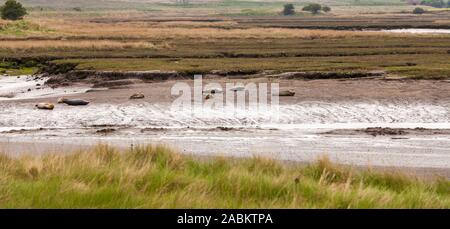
[363,122]
[428,91]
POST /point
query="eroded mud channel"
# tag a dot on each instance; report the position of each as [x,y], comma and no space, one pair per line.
[364,122]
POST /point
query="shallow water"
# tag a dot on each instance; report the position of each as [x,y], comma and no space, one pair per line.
[301,145]
[419,31]
[311,113]
[30,87]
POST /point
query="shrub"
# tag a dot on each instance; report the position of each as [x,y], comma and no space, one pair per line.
[418,10]
[289,9]
[12,10]
[326,9]
[314,8]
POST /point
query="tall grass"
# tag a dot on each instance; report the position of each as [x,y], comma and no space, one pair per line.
[81,29]
[156,177]
[77,44]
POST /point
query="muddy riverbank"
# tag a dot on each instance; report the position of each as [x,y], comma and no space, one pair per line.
[325,117]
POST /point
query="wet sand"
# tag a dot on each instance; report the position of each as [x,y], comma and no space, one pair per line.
[419,31]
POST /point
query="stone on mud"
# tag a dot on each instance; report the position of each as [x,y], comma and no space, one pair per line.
[45,106]
[137,96]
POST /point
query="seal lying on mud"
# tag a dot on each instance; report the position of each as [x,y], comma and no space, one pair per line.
[286,93]
[45,106]
[73,102]
[213,91]
[137,96]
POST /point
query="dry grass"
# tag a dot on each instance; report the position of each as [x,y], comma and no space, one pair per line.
[156,177]
[3,23]
[78,44]
[196,24]
[186,30]
[143,31]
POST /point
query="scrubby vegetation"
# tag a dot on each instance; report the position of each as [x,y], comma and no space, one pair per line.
[314,8]
[289,9]
[326,9]
[418,10]
[22,28]
[13,68]
[156,177]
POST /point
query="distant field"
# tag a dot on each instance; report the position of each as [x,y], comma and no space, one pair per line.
[169,37]
[215,7]
[133,4]
[199,48]
[156,177]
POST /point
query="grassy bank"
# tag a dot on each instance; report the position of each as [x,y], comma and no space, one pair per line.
[16,68]
[413,66]
[156,177]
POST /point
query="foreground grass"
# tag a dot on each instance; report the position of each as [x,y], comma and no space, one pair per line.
[431,66]
[156,177]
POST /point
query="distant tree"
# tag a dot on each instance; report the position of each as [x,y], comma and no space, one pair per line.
[314,8]
[12,10]
[326,9]
[418,10]
[289,9]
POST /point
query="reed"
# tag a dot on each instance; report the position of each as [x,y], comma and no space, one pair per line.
[158,177]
